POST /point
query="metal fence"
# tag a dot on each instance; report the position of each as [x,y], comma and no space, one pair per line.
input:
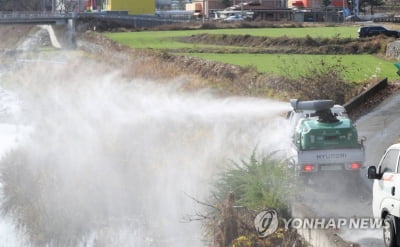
[28,15]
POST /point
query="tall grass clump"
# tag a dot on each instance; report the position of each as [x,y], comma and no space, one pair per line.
[242,191]
[260,183]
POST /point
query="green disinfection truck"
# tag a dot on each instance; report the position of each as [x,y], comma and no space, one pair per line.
[325,140]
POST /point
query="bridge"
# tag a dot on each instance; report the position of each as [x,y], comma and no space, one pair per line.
[33,18]
[67,22]
[65,18]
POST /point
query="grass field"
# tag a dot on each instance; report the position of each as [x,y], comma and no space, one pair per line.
[358,67]
[166,39]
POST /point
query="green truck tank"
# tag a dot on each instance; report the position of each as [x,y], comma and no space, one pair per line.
[324,138]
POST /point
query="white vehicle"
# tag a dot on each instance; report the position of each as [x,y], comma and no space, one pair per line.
[386,194]
[234,18]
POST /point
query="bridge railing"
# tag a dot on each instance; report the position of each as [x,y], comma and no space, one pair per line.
[46,17]
[29,15]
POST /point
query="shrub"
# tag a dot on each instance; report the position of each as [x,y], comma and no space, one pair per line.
[320,81]
[208,25]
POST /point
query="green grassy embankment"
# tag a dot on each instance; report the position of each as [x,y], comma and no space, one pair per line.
[168,39]
[359,67]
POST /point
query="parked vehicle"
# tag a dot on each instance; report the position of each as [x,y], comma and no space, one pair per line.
[386,194]
[369,31]
[324,140]
[234,18]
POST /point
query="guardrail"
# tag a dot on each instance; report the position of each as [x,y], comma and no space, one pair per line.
[387,19]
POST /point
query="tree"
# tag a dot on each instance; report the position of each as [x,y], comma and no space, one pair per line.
[325,4]
[374,3]
[21,5]
[227,3]
[362,6]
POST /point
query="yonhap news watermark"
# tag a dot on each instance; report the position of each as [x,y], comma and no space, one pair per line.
[266,223]
[333,223]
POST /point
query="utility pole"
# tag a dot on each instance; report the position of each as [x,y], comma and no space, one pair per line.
[355,8]
[344,13]
[204,10]
[207,8]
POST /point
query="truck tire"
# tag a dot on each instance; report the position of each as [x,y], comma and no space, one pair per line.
[306,179]
[389,232]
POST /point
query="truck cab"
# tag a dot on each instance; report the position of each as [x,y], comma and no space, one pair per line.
[386,194]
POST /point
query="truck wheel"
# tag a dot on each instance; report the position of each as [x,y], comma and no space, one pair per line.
[389,234]
[306,179]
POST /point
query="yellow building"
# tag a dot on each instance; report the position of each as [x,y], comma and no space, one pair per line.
[132,6]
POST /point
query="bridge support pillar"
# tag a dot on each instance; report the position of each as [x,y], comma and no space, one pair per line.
[71,31]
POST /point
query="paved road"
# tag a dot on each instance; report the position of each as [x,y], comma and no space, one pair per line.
[381,128]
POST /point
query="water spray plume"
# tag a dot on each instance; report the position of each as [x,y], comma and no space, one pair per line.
[109,160]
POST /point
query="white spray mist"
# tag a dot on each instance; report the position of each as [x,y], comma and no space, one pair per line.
[111,160]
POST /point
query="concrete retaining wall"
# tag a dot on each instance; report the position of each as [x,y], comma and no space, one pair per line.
[318,237]
[363,97]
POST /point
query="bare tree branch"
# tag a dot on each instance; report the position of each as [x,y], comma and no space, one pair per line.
[202,203]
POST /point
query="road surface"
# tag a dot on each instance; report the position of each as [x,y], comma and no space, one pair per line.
[339,200]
